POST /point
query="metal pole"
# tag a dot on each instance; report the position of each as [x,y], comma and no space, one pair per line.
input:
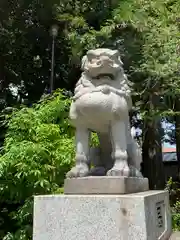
[52,66]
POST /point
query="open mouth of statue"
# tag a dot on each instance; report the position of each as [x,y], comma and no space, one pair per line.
[103,75]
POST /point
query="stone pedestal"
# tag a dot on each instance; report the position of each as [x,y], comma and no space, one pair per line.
[137,216]
[105,185]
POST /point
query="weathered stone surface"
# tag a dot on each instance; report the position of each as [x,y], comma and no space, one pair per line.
[175,236]
[139,216]
[101,103]
[105,185]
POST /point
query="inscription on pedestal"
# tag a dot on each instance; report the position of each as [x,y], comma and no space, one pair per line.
[160,214]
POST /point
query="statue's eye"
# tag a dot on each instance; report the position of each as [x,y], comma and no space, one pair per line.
[90,56]
[93,59]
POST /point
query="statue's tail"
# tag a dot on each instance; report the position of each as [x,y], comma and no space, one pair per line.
[133,149]
[135,154]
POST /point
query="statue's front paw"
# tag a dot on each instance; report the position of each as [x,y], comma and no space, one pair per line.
[121,169]
[78,171]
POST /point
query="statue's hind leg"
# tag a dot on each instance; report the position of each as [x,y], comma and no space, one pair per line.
[106,150]
[100,157]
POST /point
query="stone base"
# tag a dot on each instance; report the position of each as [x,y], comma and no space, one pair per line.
[175,236]
[105,185]
[139,216]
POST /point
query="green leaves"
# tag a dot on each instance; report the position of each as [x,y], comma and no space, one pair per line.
[174,190]
[38,151]
[176,216]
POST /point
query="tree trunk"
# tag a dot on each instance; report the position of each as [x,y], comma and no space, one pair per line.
[153,167]
[177,132]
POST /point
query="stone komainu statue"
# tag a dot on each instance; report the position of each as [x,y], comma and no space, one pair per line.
[101,104]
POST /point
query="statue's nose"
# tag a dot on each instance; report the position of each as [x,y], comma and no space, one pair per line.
[106,59]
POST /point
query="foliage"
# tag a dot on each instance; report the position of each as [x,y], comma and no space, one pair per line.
[176,216]
[37,153]
[173,186]
[26,42]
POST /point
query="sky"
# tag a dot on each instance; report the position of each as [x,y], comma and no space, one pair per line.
[167,145]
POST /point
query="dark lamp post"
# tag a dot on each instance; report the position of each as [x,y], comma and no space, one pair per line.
[54,33]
